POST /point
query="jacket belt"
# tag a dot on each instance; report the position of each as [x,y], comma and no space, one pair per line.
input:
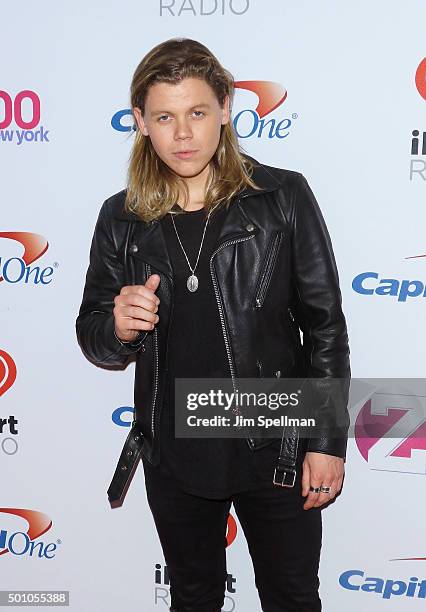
[285,467]
[284,473]
[126,466]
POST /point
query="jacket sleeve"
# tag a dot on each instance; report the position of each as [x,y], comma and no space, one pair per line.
[104,279]
[325,337]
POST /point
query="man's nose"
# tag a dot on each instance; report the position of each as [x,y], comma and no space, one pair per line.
[183,129]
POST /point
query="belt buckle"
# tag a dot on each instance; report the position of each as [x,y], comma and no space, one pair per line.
[280,483]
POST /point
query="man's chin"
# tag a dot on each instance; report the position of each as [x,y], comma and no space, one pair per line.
[187,168]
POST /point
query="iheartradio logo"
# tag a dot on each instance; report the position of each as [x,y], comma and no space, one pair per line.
[421,78]
[7,372]
[231,530]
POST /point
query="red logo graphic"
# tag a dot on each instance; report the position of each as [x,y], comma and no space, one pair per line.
[38,522]
[34,245]
[7,372]
[270,94]
[421,78]
[410,559]
[231,531]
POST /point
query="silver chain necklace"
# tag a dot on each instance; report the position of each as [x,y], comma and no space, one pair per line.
[192,282]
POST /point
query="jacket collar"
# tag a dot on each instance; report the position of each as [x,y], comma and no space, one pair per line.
[261,176]
[148,239]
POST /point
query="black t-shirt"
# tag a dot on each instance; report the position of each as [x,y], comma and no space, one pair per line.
[211,467]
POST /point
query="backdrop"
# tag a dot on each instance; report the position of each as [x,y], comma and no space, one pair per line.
[335,90]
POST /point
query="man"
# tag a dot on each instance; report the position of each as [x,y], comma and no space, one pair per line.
[206,266]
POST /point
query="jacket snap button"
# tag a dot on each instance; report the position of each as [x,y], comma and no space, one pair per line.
[133,248]
[136,438]
[129,453]
[123,468]
[143,348]
[250,227]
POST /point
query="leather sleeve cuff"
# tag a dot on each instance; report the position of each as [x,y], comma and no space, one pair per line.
[328,446]
[134,345]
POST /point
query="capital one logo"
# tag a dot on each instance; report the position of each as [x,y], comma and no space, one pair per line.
[249,122]
[421,78]
[370,283]
[390,433]
[7,372]
[18,269]
[20,532]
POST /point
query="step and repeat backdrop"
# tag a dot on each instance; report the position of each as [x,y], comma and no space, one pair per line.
[352,119]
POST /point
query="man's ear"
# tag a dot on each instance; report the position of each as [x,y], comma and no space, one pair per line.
[139,120]
[225,110]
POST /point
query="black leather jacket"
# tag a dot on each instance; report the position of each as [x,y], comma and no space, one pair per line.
[273,272]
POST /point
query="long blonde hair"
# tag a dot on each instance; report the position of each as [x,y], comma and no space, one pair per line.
[152,187]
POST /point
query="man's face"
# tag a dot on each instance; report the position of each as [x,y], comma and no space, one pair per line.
[183,117]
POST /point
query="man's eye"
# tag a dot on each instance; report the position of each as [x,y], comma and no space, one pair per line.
[161,117]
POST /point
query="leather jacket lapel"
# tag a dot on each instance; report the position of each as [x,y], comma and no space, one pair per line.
[149,245]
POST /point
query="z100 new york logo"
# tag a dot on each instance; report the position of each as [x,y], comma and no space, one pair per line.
[24,111]
[390,431]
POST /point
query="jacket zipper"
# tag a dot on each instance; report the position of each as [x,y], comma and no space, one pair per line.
[292,322]
[224,332]
[267,274]
[130,281]
[154,399]
[222,319]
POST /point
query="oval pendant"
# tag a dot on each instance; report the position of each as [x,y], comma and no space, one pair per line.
[192,283]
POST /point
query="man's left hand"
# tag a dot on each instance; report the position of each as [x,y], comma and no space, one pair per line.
[321,469]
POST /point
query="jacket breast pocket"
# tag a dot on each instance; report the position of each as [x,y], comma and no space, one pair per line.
[267,269]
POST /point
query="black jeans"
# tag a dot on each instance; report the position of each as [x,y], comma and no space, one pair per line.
[284,542]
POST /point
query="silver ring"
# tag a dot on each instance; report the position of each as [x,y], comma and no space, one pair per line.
[320,489]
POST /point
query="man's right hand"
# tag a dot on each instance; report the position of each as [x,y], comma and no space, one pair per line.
[135,309]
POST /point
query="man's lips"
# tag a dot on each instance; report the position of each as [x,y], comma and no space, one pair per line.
[185,154]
